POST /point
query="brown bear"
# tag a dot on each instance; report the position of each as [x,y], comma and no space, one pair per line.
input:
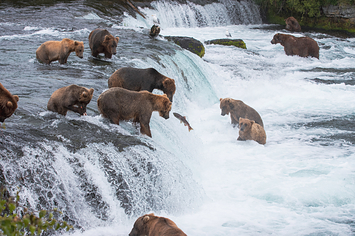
[73,97]
[101,41]
[292,24]
[121,104]
[249,130]
[151,225]
[8,103]
[301,46]
[142,79]
[237,109]
[59,50]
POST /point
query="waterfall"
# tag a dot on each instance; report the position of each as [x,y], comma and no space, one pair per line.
[189,14]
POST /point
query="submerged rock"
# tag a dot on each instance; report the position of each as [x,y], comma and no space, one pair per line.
[188,43]
[229,42]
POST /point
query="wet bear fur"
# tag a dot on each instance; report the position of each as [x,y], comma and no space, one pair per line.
[292,24]
[151,225]
[142,79]
[73,97]
[237,109]
[8,103]
[301,46]
[101,41]
[59,50]
[121,104]
[249,130]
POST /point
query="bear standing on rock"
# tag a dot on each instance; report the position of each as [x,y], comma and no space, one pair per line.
[249,130]
[59,50]
[101,41]
[152,225]
[301,46]
[142,79]
[73,97]
[237,109]
[292,24]
[121,104]
[8,103]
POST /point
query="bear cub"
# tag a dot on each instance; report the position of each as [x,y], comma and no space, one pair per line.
[249,130]
[59,50]
[8,103]
[73,97]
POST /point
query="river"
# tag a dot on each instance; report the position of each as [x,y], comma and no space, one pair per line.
[103,176]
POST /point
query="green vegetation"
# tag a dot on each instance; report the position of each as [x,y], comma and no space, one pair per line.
[308,13]
[17,220]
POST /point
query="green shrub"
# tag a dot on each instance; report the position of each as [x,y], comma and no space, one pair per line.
[17,220]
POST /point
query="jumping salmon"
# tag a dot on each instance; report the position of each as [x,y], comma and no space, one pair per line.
[183,120]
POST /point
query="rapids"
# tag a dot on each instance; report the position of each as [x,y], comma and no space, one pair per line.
[103,176]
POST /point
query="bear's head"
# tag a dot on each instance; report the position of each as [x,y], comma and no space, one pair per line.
[278,38]
[79,48]
[84,99]
[141,226]
[226,106]
[110,44]
[245,124]
[169,88]
[292,24]
[164,106]
[8,103]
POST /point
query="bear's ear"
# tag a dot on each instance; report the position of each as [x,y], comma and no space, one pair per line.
[16,98]
[220,99]
[107,38]
[76,43]
[91,91]
[146,219]
[252,122]
[118,39]
[9,105]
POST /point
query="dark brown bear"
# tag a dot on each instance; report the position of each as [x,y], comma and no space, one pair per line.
[301,46]
[121,104]
[249,130]
[73,97]
[154,31]
[8,103]
[292,24]
[151,225]
[142,79]
[59,50]
[101,41]
[237,109]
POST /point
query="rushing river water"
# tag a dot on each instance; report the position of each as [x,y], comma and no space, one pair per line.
[103,176]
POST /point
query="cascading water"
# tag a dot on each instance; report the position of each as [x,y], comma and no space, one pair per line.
[103,176]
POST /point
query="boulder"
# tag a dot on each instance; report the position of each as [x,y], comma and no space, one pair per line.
[229,42]
[188,43]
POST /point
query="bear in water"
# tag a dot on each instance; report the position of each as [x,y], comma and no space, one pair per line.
[150,224]
[121,104]
[237,109]
[8,103]
[301,46]
[101,41]
[142,79]
[249,130]
[59,50]
[73,97]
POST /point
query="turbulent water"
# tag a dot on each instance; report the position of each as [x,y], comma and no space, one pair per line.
[103,176]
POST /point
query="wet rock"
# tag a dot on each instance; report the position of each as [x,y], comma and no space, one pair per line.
[229,42]
[188,43]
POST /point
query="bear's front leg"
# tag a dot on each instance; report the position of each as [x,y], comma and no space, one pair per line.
[145,129]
